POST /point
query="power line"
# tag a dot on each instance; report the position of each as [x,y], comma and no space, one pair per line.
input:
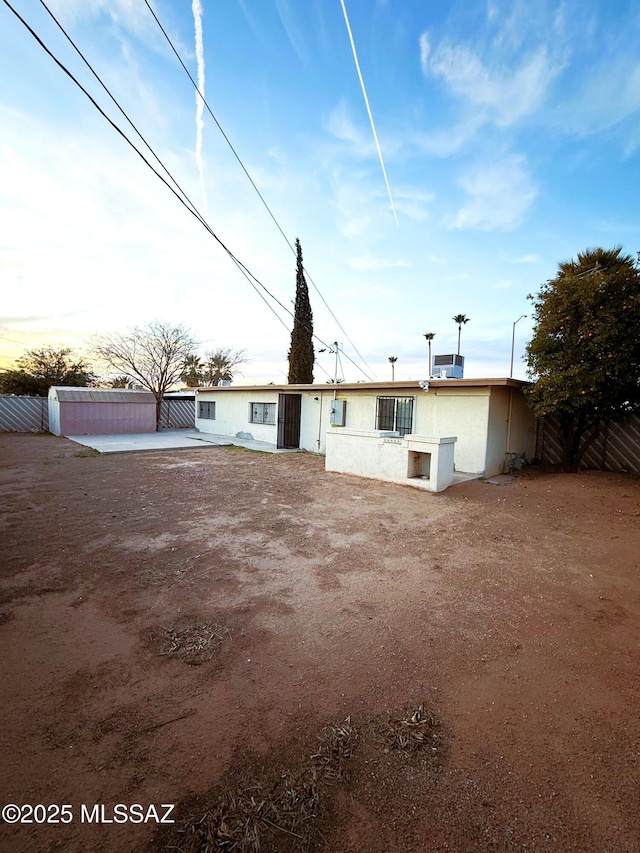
[113,99]
[252,182]
[183,197]
[11,341]
[177,191]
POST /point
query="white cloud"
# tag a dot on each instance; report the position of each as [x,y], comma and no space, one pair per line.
[90,228]
[512,71]
[341,125]
[525,259]
[128,14]
[369,263]
[449,140]
[413,203]
[425,48]
[361,204]
[295,33]
[368,292]
[499,194]
[507,94]
[608,96]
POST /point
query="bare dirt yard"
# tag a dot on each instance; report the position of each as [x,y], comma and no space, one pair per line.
[303,661]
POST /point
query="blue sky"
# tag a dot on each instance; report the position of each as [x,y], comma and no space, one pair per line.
[510,134]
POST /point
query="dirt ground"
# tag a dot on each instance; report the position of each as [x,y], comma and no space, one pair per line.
[394,670]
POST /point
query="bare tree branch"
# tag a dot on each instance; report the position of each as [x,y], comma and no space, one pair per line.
[221,365]
[154,355]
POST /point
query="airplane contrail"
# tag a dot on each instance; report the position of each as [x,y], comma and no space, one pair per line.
[366,100]
[197,20]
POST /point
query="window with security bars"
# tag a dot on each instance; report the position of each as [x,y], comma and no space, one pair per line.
[394,414]
[262,413]
[207,410]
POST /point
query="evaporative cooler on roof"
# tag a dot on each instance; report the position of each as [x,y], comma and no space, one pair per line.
[448,367]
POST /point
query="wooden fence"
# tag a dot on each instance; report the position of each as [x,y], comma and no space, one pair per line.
[617,448]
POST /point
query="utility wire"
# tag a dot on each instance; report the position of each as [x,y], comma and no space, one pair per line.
[181,196]
[117,104]
[11,341]
[178,193]
[252,182]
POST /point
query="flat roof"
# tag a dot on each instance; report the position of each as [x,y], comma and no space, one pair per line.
[71,394]
[406,385]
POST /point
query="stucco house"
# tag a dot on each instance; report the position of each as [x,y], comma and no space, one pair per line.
[382,429]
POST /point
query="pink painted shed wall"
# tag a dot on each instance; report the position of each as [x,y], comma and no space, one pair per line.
[100,411]
[97,418]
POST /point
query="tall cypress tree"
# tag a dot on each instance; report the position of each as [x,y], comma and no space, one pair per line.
[301,355]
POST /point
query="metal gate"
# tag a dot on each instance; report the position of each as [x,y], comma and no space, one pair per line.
[178,413]
[289,408]
[24,414]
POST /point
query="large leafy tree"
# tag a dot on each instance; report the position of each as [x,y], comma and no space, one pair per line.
[39,369]
[585,351]
[301,355]
[153,355]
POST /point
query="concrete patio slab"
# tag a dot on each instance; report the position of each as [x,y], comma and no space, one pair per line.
[169,439]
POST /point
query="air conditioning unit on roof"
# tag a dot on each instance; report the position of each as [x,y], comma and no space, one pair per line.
[447,367]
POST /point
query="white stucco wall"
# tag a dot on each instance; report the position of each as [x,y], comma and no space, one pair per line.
[496,457]
[476,415]
[463,412]
[385,456]
[232,414]
[522,435]
[315,420]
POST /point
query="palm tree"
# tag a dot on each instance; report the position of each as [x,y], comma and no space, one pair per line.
[119,382]
[221,365]
[392,362]
[192,371]
[430,336]
[460,319]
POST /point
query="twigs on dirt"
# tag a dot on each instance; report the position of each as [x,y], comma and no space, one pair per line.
[337,743]
[285,809]
[193,642]
[247,817]
[412,731]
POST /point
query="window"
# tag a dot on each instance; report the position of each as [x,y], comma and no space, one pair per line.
[207,410]
[262,413]
[395,414]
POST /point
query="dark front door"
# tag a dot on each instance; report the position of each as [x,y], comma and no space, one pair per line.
[289,407]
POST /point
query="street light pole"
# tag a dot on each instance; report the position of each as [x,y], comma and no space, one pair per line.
[513,343]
